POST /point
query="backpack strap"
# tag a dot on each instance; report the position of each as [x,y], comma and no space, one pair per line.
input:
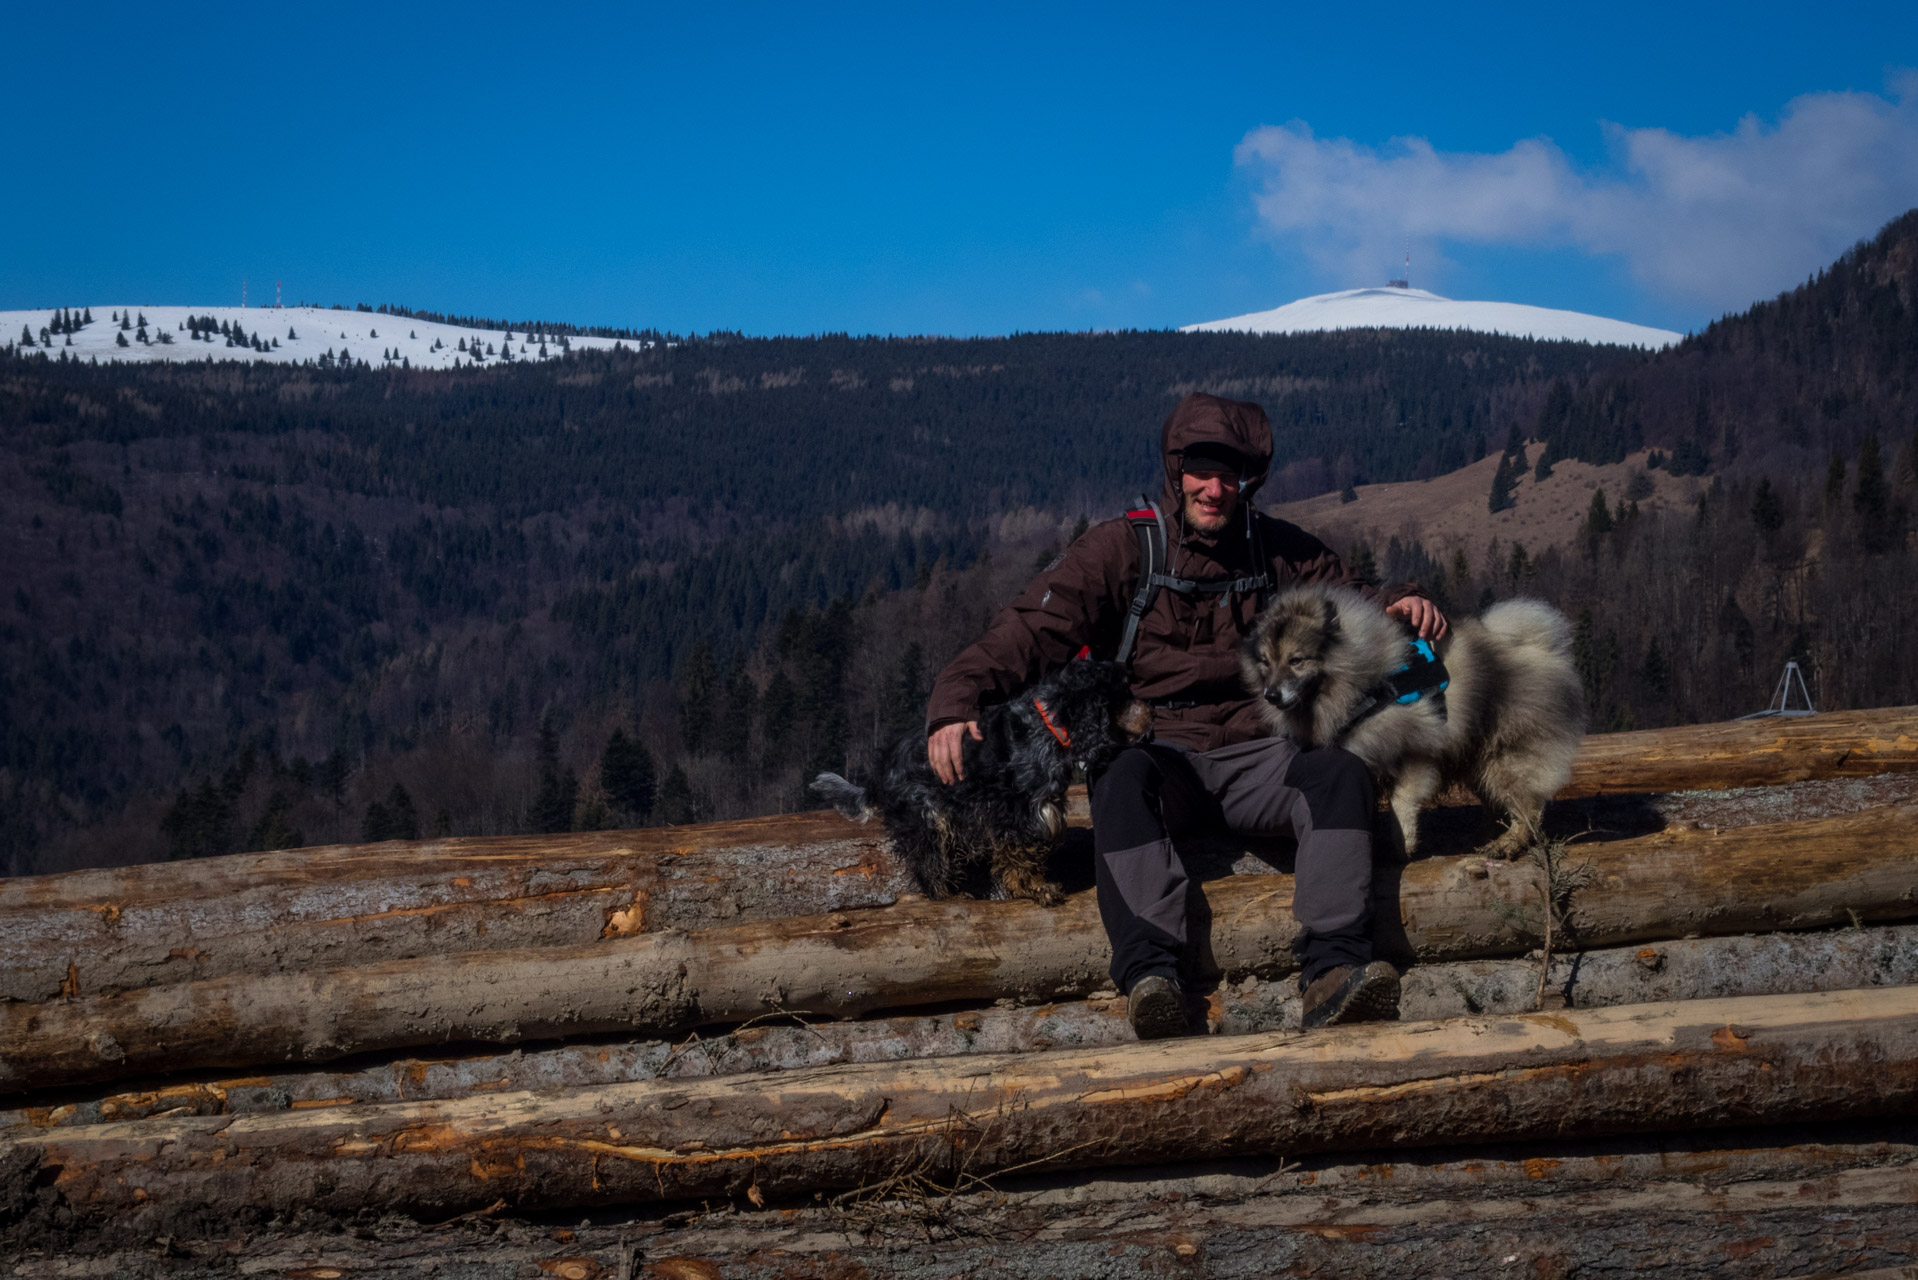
[1148,525]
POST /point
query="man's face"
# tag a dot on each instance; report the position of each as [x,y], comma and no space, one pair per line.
[1210,498]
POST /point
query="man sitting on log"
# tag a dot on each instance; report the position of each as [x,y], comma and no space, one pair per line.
[1210,763]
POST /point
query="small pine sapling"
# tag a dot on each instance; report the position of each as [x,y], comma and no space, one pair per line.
[120,339]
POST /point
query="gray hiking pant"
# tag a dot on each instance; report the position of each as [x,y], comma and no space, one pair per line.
[1154,792]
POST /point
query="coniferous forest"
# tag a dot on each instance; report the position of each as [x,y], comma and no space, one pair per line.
[251,607]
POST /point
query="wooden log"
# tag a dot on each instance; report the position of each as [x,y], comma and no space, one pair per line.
[1673,1205]
[90,932]
[96,932]
[1747,753]
[1699,968]
[1859,867]
[1571,1074]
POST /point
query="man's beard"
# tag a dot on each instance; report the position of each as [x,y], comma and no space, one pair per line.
[1197,520]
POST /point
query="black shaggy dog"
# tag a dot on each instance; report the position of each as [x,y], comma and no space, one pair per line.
[1005,813]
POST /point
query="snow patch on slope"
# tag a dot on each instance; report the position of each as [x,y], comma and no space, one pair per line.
[303,334]
[1391,308]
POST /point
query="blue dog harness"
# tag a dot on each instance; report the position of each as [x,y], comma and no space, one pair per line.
[1423,678]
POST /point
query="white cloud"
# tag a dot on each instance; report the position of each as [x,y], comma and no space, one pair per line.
[1717,220]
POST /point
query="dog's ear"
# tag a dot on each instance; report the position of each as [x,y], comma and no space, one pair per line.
[1331,617]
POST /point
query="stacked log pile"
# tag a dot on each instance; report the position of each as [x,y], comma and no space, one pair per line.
[759,1012]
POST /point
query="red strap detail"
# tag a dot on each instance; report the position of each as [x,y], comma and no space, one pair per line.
[1146,514]
[1065,739]
[1085,651]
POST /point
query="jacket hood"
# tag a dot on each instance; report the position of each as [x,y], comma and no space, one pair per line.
[1205,419]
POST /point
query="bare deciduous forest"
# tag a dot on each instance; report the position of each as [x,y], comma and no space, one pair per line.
[250,607]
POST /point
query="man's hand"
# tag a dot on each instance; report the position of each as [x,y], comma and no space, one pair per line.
[943,749]
[1421,615]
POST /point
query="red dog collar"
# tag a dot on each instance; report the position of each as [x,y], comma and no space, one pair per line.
[1065,739]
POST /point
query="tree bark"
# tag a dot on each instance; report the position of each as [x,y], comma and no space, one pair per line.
[1747,753]
[96,932]
[1860,867]
[1699,968]
[940,1122]
[92,932]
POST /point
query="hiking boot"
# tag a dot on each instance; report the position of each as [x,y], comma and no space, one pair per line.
[1156,1008]
[1349,994]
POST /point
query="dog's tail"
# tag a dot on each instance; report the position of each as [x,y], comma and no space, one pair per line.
[842,795]
[1530,624]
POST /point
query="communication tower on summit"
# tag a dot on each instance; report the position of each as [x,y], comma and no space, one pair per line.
[243,293]
[276,295]
[1406,281]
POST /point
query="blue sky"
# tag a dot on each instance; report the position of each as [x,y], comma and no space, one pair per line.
[793,169]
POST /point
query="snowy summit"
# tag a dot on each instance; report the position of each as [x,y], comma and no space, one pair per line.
[1397,308]
[278,335]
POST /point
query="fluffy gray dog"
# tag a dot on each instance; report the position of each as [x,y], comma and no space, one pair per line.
[1335,670]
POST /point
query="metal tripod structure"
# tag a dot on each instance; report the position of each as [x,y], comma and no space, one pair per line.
[1781,701]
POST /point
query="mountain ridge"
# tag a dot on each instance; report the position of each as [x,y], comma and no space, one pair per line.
[1400,307]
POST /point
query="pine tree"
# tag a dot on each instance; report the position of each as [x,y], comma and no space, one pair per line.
[1519,567]
[698,681]
[1871,499]
[1656,671]
[275,830]
[88,318]
[120,339]
[1834,484]
[1502,484]
[736,725]
[626,775]
[1598,518]
[198,823]
[678,803]
[558,793]
[1364,565]
[26,336]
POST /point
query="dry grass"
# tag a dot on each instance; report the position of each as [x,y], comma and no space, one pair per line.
[1449,512]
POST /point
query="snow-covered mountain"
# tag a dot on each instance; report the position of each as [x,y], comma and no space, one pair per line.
[1394,308]
[279,335]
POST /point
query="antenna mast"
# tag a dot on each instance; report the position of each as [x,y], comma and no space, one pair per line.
[243,293]
[276,295]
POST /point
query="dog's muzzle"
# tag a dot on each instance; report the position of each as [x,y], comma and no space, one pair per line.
[1285,697]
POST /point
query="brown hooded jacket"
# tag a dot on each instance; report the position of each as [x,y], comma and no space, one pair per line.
[1186,654]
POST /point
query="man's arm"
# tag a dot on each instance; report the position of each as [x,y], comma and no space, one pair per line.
[1310,560]
[1072,604]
